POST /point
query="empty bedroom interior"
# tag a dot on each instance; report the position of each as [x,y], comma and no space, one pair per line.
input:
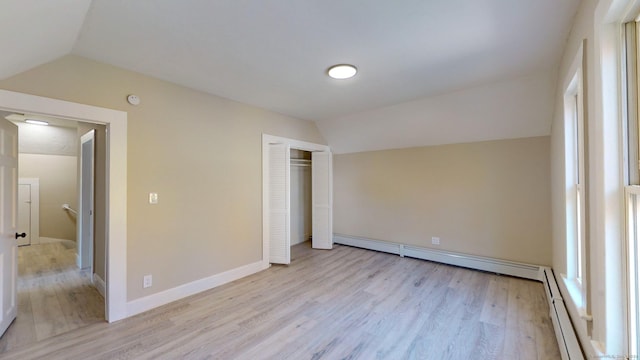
[474,167]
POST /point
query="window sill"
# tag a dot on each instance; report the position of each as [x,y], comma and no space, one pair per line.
[576,292]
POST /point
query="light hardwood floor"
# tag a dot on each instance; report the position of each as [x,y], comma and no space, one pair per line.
[54,296]
[346,303]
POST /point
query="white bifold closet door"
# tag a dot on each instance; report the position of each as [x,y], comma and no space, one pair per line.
[279,204]
[321,195]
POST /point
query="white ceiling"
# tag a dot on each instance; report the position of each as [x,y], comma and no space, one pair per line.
[274,53]
[34,32]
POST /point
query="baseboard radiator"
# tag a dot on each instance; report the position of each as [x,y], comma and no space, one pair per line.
[498,266]
[565,334]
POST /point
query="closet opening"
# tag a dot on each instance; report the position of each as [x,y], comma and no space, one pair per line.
[297,201]
[300,173]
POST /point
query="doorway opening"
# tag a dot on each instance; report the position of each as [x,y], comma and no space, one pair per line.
[60,274]
[116,183]
[276,192]
[300,173]
[29,210]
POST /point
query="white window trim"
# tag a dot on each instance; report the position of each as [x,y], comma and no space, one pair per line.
[575,212]
[632,195]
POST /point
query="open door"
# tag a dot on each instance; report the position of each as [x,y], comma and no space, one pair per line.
[279,207]
[86,201]
[8,223]
[322,198]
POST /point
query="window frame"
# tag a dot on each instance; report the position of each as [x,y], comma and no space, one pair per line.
[631,85]
[576,187]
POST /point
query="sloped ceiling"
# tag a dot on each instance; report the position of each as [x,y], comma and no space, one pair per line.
[275,53]
[34,32]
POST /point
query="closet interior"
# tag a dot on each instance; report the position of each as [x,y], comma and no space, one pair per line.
[300,176]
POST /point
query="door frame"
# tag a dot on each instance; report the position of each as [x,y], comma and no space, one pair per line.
[34,227]
[116,186]
[292,144]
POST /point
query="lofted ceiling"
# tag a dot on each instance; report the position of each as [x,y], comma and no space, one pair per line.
[274,53]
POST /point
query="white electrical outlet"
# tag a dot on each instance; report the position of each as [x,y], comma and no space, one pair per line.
[147,281]
[435,240]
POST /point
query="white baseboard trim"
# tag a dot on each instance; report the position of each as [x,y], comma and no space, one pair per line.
[99,284]
[499,266]
[565,334]
[164,297]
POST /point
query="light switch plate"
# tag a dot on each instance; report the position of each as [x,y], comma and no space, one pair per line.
[153,198]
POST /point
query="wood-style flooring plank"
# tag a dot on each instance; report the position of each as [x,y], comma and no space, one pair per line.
[347,303]
[54,296]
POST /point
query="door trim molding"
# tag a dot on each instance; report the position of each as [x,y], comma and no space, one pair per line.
[293,144]
[34,227]
[116,239]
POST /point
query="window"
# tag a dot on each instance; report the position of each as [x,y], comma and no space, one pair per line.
[575,186]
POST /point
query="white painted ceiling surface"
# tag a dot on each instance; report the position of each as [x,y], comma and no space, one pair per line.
[34,32]
[274,53]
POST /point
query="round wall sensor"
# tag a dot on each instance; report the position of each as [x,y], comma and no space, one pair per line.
[133,99]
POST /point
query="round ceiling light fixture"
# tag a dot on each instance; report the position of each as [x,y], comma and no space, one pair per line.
[342,71]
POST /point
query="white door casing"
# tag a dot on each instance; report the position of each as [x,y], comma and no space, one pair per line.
[324,172]
[322,199]
[8,223]
[279,204]
[86,201]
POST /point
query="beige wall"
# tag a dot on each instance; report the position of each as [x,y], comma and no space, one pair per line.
[57,174]
[200,153]
[487,198]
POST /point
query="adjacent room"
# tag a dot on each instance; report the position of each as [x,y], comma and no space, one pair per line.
[319,179]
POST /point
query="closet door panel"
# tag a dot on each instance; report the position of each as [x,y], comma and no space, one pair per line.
[279,205]
[322,198]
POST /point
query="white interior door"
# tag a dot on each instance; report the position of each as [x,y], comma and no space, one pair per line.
[24,213]
[85,208]
[279,207]
[8,222]
[322,198]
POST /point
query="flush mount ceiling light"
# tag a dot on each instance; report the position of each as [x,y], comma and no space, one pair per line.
[342,71]
[36,122]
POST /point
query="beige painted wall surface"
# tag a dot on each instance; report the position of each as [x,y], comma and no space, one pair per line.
[57,174]
[200,153]
[487,198]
